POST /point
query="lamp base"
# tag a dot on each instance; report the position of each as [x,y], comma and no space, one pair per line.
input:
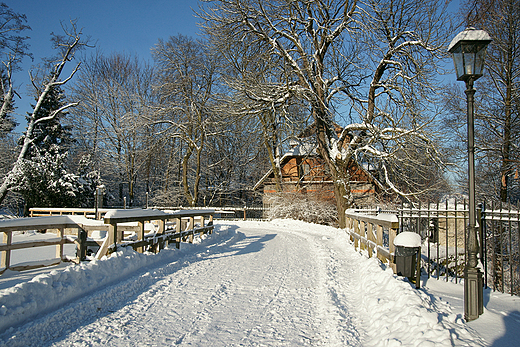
[473,294]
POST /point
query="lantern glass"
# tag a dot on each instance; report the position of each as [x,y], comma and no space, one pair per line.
[479,60]
[458,59]
[469,63]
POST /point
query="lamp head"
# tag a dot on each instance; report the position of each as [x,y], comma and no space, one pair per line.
[468,49]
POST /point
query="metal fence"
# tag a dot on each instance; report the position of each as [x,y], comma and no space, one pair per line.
[500,228]
[442,227]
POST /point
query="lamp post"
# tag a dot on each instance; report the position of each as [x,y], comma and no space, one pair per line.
[469,49]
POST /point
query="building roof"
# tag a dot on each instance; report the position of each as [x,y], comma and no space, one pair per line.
[303,149]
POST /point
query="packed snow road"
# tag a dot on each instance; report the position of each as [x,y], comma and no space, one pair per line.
[282,283]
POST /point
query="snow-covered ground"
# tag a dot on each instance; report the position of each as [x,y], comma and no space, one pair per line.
[279,283]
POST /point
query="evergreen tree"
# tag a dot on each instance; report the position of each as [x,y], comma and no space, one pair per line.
[51,135]
[43,179]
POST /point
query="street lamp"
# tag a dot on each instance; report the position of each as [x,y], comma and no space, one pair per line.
[469,49]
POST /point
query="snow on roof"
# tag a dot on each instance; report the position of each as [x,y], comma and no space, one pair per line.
[470,34]
[303,149]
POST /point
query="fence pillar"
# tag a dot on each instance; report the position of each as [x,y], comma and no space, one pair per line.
[356,231]
[160,232]
[6,255]
[112,237]
[59,247]
[370,237]
[140,236]
[192,224]
[82,244]
[362,233]
[202,225]
[392,233]
[379,241]
[178,229]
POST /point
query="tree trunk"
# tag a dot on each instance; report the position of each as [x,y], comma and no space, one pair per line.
[506,137]
[338,170]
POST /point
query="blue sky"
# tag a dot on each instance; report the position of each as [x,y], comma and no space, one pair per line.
[131,26]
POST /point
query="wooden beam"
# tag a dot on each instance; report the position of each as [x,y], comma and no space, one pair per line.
[59,247]
[6,254]
[140,236]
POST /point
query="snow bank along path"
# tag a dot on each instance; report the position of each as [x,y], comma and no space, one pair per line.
[282,283]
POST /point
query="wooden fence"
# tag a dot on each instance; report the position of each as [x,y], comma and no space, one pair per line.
[60,223]
[375,233]
[75,229]
[166,232]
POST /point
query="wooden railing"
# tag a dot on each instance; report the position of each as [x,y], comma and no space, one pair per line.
[59,223]
[368,232]
[183,228]
[60,211]
[166,233]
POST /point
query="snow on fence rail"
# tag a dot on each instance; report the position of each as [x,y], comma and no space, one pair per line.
[61,211]
[246,212]
[74,229]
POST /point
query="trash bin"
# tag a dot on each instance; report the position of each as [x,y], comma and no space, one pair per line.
[407,256]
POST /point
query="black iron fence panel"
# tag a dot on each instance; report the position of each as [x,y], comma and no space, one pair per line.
[443,230]
[500,235]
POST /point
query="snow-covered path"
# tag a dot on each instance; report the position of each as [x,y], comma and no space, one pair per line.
[266,288]
[283,283]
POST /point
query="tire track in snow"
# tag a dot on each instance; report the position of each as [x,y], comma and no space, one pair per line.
[336,327]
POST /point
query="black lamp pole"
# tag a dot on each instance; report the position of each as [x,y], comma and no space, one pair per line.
[473,292]
[468,49]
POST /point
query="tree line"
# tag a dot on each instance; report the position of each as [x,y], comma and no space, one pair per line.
[203,122]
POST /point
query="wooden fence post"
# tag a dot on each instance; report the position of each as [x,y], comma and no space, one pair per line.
[356,231]
[6,255]
[59,247]
[112,236]
[192,224]
[161,232]
[392,233]
[202,225]
[362,233]
[370,237]
[82,244]
[140,236]
[178,229]
[379,241]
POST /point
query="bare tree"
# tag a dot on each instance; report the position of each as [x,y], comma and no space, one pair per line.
[379,55]
[13,48]
[261,92]
[66,45]
[111,122]
[498,116]
[187,83]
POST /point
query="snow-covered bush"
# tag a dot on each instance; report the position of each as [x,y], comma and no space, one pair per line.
[44,181]
[302,207]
